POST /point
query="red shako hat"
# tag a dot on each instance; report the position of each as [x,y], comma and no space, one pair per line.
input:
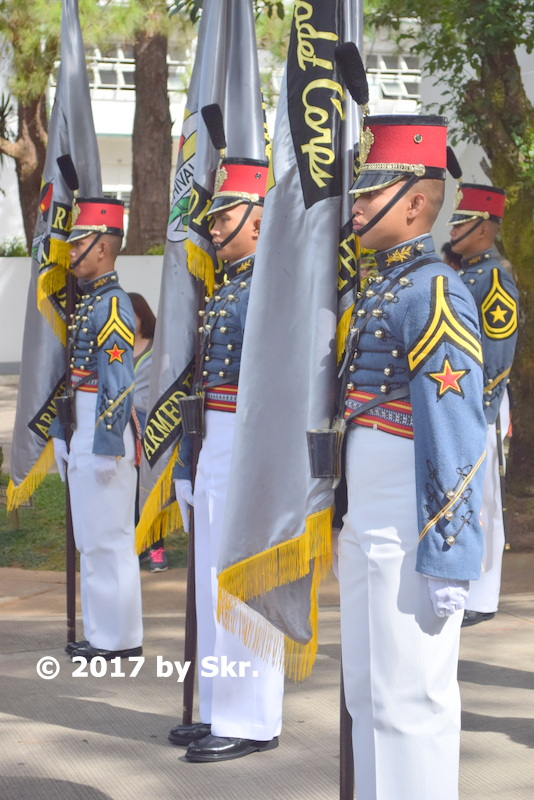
[396,146]
[96,215]
[239,180]
[473,200]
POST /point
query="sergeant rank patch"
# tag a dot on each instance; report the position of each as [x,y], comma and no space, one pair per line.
[443,325]
[499,310]
[115,324]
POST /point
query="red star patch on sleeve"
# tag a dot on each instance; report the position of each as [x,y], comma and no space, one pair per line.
[448,379]
[115,353]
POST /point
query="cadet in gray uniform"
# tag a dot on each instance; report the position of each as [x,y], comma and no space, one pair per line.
[100,462]
[475,223]
[239,714]
[411,541]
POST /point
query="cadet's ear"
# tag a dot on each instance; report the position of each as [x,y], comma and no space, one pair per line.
[103,248]
[417,204]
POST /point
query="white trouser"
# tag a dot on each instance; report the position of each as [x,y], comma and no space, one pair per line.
[484,593]
[245,707]
[103,522]
[399,658]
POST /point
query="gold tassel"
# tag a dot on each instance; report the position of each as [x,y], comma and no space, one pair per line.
[265,640]
[200,265]
[281,564]
[159,516]
[22,493]
[49,283]
[343,331]
[259,574]
[59,253]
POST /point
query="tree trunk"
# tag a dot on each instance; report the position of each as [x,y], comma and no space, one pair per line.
[507,119]
[151,146]
[29,152]
[518,235]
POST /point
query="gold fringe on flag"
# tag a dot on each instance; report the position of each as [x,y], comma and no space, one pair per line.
[59,253]
[48,283]
[259,574]
[22,493]
[160,516]
[257,633]
[200,265]
[343,331]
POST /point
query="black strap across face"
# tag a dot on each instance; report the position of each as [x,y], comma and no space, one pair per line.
[479,221]
[228,239]
[383,211]
[86,251]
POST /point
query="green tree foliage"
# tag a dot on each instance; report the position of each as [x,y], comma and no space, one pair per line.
[30,31]
[193,8]
[470,47]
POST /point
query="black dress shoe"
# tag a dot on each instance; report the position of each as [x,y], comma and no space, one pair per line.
[221,748]
[185,734]
[72,646]
[474,617]
[89,652]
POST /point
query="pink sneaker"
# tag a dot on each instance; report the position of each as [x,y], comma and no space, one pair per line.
[158,560]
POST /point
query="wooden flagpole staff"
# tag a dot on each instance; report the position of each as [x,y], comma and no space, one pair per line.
[70,177]
[190,644]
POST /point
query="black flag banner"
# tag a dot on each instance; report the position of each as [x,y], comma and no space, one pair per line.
[277,534]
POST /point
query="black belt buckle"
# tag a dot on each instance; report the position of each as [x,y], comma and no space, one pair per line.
[192,413]
[324,451]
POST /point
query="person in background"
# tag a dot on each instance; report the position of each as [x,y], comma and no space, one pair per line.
[475,224]
[145,324]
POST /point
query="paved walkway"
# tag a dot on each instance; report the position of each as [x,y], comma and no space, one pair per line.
[105,738]
[82,737]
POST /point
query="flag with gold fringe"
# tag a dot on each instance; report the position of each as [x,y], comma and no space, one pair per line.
[225,72]
[278,524]
[71,132]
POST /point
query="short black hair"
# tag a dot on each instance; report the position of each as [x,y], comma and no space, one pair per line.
[144,312]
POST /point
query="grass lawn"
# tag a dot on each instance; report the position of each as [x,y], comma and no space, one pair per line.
[38,542]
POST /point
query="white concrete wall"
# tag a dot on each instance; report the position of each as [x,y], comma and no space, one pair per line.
[137,274]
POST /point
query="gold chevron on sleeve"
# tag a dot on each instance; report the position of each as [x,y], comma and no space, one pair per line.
[114,324]
[499,310]
[443,325]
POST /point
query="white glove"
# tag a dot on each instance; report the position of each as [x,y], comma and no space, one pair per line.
[61,454]
[105,467]
[447,596]
[184,498]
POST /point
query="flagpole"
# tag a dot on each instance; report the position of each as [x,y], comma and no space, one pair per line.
[346,758]
[70,566]
[70,547]
[190,644]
